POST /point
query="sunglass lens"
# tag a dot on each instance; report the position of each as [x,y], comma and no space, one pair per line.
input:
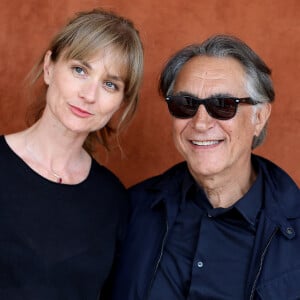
[182,107]
[221,108]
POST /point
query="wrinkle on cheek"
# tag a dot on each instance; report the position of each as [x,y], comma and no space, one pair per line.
[229,135]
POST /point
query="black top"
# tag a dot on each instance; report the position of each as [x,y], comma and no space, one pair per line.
[208,251]
[57,241]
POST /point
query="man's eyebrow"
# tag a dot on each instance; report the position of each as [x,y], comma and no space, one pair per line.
[185,93]
[216,95]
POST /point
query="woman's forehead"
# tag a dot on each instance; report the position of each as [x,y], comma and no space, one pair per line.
[114,60]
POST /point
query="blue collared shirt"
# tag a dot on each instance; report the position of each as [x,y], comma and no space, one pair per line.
[208,250]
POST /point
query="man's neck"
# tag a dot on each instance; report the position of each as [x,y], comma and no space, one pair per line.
[223,190]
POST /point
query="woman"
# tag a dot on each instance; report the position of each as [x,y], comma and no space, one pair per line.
[61,213]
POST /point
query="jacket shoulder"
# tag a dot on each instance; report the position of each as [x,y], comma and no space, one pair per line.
[150,188]
[280,187]
[158,180]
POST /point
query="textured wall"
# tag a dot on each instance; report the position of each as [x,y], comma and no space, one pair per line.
[272,28]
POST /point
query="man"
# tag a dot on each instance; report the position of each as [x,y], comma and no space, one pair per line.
[224,224]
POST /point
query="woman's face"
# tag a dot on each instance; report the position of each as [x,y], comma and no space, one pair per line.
[83,95]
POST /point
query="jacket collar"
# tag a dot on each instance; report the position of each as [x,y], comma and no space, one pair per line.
[282,197]
[168,186]
[280,189]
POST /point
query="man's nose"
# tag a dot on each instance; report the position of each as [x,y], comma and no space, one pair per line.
[202,120]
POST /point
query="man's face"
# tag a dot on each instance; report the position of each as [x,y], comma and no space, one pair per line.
[212,146]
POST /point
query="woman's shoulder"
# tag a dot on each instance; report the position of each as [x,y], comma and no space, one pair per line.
[107,177]
[13,143]
[5,148]
[2,141]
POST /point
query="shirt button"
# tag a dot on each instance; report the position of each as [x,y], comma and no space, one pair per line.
[210,216]
[289,231]
[200,264]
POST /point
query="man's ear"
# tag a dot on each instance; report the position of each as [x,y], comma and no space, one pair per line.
[48,67]
[262,115]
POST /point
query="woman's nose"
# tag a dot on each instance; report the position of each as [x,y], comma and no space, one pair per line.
[89,91]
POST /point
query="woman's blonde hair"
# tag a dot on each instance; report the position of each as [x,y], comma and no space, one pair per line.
[84,36]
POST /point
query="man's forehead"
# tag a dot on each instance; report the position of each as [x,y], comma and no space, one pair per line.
[212,67]
[208,76]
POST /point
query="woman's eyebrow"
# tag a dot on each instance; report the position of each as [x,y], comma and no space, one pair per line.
[115,77]
[86,64]
[110,76]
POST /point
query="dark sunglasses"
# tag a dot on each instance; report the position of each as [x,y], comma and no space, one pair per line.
[221,108]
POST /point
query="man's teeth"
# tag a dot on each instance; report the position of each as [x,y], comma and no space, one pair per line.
[205,143]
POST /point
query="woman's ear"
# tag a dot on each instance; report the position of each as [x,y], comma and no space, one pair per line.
[262,116]
[48,67]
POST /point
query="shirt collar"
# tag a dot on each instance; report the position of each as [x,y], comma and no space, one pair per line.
[188,185]
[248,206]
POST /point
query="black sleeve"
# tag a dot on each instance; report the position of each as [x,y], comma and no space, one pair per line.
[106,292]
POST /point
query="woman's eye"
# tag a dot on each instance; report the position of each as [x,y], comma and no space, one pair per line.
[111,85]
[79,71]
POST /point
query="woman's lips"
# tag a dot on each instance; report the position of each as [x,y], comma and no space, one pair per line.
[80,112]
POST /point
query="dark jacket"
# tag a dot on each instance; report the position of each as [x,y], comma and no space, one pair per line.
[274,271]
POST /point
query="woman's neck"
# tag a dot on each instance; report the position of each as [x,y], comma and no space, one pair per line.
[53,153]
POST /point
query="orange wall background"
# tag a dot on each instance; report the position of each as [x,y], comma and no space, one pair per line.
[270,27]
